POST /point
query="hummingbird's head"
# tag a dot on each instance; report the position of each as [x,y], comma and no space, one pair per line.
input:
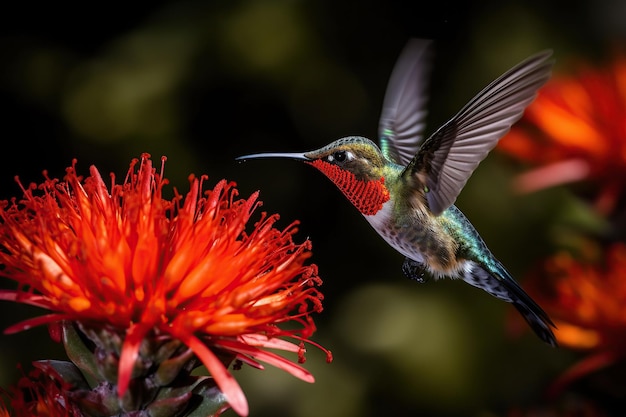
[354,164]
[354,154]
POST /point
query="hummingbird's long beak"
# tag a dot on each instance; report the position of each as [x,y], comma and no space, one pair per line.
[296,156]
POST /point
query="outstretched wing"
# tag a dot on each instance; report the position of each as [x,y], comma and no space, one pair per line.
[403,116]
[449,156]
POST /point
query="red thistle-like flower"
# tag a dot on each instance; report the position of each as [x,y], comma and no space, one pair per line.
[129,261]
[41,393]
[575,131]
[587,300]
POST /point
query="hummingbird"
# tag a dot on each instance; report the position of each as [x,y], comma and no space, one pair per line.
[406,188]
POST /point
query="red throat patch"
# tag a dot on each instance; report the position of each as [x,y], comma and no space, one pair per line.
[367,196]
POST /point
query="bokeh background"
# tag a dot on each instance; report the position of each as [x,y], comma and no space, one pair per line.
[203,82]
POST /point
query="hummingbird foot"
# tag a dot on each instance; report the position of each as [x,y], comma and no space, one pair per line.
[414,270]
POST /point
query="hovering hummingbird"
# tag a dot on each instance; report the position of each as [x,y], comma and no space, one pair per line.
[406,189]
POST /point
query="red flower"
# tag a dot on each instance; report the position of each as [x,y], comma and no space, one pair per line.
[186,269]
[575,130]
[587,301]
[40,394]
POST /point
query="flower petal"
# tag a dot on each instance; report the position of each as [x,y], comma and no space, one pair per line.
[268,357]
[224,380]
[36,321]
[130,352]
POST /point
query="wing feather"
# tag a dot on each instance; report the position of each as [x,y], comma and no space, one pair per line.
[403,117]
[449,156]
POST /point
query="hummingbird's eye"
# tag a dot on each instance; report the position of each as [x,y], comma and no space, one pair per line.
[339,156]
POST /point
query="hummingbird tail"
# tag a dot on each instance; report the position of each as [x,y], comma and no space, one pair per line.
[538,321]
[498,282]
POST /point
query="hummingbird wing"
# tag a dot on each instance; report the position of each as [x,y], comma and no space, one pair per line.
[403,117]
[448,157]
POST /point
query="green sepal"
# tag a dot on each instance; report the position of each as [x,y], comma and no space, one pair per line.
[198,394]
[78,352]
[213,401]
[68,372]
[170,369]
[168,407]
[167,350]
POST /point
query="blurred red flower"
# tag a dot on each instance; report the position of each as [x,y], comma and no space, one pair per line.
[41,393]
[576,130]
[126,258]
[586,297]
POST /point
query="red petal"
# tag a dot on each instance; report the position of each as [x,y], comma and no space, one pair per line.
[267,342]
[251,362]
[550,175]
[37,321]
[586,366]
[224,380]
[26,298]
[130,352]
[269,357]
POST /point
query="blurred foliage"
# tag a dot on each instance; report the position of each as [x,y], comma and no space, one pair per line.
[204,82]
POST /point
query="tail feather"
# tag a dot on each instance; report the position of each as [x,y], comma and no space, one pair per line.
[499,283]
[539,321]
